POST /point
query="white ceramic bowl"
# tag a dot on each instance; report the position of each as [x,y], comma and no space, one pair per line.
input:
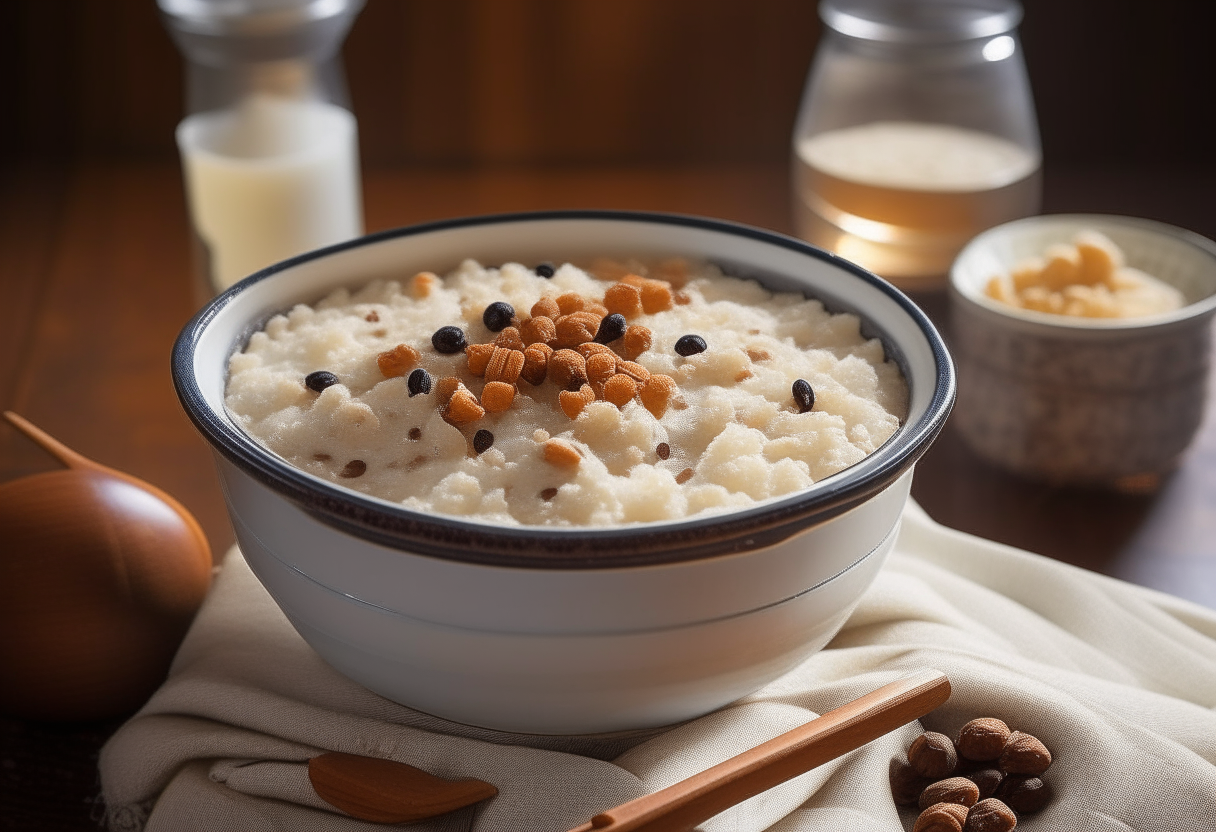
[1083,401]
[563,630]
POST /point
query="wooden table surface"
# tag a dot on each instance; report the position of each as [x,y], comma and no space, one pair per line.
[94,262]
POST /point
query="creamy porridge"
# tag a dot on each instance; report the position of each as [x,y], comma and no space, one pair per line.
[563,396]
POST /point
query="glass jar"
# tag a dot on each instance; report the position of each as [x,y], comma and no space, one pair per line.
[269,147]
[916,132]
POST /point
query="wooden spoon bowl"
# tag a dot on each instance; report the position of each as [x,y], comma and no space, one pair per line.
[100,578]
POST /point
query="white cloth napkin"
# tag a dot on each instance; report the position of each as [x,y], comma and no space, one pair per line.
[1118,681]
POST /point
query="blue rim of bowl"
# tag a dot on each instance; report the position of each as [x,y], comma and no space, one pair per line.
[644,544]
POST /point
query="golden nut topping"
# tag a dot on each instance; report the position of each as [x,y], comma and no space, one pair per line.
[684,476]
[567,367]
[498,395]
[600,366]
[445,388]
[536,363]
[572,402]
[546,308]
[463,408]
[673,270]
[757,354]
[510,339]
[540,330]
[591,348]
[620,389]
[682,298]
[656,296]
[557,452]
[597,309]
[636,340]
[623,299]
[422,284]
[396,361]
[656,393]
[576,328]
[605,268]
[504,365]
[634,370]
[571,302]
[479,356]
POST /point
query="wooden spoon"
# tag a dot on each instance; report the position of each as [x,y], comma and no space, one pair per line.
[683,805]
[385,791]
[100,576]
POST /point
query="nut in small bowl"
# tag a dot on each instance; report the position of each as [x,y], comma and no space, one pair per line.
[1073,400]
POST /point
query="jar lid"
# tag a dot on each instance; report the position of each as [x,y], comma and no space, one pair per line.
[920,21]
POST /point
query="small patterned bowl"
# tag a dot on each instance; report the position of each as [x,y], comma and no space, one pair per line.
[1082,401]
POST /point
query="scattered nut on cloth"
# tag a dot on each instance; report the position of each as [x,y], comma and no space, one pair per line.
[1118,681]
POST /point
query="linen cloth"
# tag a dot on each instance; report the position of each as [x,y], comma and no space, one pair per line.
[1118,681]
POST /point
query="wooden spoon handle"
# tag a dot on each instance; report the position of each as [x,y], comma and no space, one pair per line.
[683,805]
[53,446]
[79,462]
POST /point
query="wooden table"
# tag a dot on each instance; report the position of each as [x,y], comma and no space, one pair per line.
[94,261]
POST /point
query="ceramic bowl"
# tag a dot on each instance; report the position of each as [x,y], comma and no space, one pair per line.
[563,630]
[1083,401]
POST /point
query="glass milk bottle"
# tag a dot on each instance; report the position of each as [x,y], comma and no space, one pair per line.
[916,132]
[269,148]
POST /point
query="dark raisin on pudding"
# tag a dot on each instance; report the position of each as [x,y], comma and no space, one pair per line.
[545,270]
[691,345]
[418,382]
[354,468]
[804,396]
[482,440]
[498,315]
[319,380]
[611,327]
[448,340]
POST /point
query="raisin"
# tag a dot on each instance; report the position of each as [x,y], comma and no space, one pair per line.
[482,440]
[611,328]
[545,270]
[691,345]
[354,468]
[497,316]
[448,340]
[319,380]
[804,396]
[418,382]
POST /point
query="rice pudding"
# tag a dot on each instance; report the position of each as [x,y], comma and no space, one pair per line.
[567,396]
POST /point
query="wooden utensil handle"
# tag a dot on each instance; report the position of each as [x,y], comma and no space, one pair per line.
[683,805]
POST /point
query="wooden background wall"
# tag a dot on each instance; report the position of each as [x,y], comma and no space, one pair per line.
[471,82]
